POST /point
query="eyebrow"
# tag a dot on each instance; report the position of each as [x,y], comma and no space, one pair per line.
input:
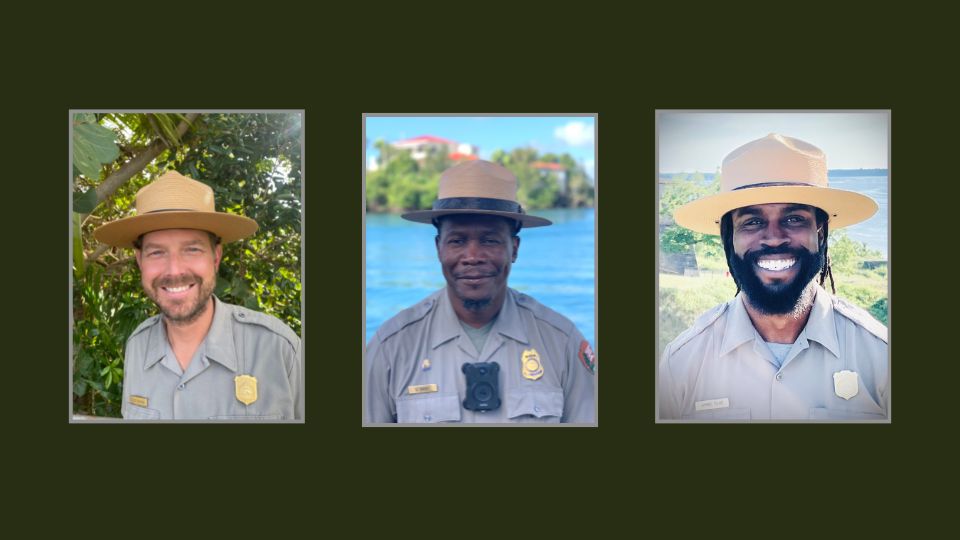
[755,210]
[194,242]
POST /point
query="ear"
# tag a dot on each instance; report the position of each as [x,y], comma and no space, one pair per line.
[217,257]
[516,248]
[139,256]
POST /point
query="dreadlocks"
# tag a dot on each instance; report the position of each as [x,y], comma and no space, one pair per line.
[726,235]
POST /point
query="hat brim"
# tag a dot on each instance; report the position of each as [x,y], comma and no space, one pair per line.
[123,232]
[427,216]
[844,207]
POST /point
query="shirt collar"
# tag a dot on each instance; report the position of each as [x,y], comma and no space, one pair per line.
[446,326]
[820,326]
[220,346]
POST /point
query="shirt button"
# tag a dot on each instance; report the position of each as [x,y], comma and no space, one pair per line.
[779,376]
[182,386]
[536,409]
[242,315]
[427,417]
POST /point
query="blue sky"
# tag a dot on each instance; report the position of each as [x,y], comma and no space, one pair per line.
[574,135]
[698,141]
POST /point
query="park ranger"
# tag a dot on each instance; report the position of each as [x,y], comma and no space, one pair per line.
[478,351]
[783,348]
[200,358]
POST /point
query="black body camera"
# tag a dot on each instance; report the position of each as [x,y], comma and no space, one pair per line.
[483,388]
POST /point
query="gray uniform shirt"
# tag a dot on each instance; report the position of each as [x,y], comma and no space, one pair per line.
[720,369]
[425,345]
[240,342]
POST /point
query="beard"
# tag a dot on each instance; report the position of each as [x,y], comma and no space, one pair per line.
[187,310]
[476,305]
[792,297]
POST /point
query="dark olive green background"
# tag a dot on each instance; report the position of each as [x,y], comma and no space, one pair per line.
[628,475]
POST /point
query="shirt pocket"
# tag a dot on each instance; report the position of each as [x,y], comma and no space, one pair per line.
[428,410]
[542,405]
[136,412]
[727,414]
[822,413]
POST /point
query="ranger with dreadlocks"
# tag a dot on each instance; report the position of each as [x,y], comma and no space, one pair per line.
[783,348]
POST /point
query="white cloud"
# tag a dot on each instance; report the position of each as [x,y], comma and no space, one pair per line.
[574,133]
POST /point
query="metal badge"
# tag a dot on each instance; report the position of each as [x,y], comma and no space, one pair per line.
[530,363]
[246,388]
[845,384]
[425,365]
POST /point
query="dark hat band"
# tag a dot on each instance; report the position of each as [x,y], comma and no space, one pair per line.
[773,184]
[477,203]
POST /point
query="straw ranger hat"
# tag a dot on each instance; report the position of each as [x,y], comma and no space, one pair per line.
[174,201]
[775,169]
[477,187]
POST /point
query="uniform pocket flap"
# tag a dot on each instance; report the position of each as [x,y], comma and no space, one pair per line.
[428,409]
[536,403]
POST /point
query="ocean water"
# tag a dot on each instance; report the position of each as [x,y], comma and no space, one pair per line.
[555,265]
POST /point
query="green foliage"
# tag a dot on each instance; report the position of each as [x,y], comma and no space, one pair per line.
[848,255]
[684,299]
[108,306]
[680,190]
[93,145]
[252,162]
[402,183]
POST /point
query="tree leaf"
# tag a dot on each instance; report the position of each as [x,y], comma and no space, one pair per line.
[92,146]
[84,203]
[78,258]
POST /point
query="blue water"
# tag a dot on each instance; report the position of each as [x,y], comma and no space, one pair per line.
[873,231]
[555,265]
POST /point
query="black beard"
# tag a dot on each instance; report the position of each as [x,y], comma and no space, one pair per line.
[783,298]
[476,305]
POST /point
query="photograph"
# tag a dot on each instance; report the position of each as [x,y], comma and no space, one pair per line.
[186,266]
[773,275]
[480,269]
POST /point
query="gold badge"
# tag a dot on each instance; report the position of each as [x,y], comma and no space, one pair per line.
[246,386]
[422,389]
[530,362]
[140,401]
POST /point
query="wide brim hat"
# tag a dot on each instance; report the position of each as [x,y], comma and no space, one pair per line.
[174,201]
[775,169]
[477,187]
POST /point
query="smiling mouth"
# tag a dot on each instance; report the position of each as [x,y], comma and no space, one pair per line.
[177,290]
[776,265]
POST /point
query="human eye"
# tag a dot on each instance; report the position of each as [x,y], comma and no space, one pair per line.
[795,220]
[751,223]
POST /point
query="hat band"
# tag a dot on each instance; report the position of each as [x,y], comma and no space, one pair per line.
[477,203]
[769,184]
[171,210]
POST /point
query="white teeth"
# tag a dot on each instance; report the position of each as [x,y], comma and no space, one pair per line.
[777,265]
[177,289]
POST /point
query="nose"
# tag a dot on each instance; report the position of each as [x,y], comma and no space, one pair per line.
[174,264]
[473,253]
[774,235]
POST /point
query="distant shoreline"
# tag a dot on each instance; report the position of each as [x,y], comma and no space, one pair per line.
[830,172]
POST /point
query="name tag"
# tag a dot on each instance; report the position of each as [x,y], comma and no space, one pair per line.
[709,404]
[422,389]
[139,401]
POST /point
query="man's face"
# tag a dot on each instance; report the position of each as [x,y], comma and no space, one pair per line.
[776,254]
[476,252]
[178,270]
